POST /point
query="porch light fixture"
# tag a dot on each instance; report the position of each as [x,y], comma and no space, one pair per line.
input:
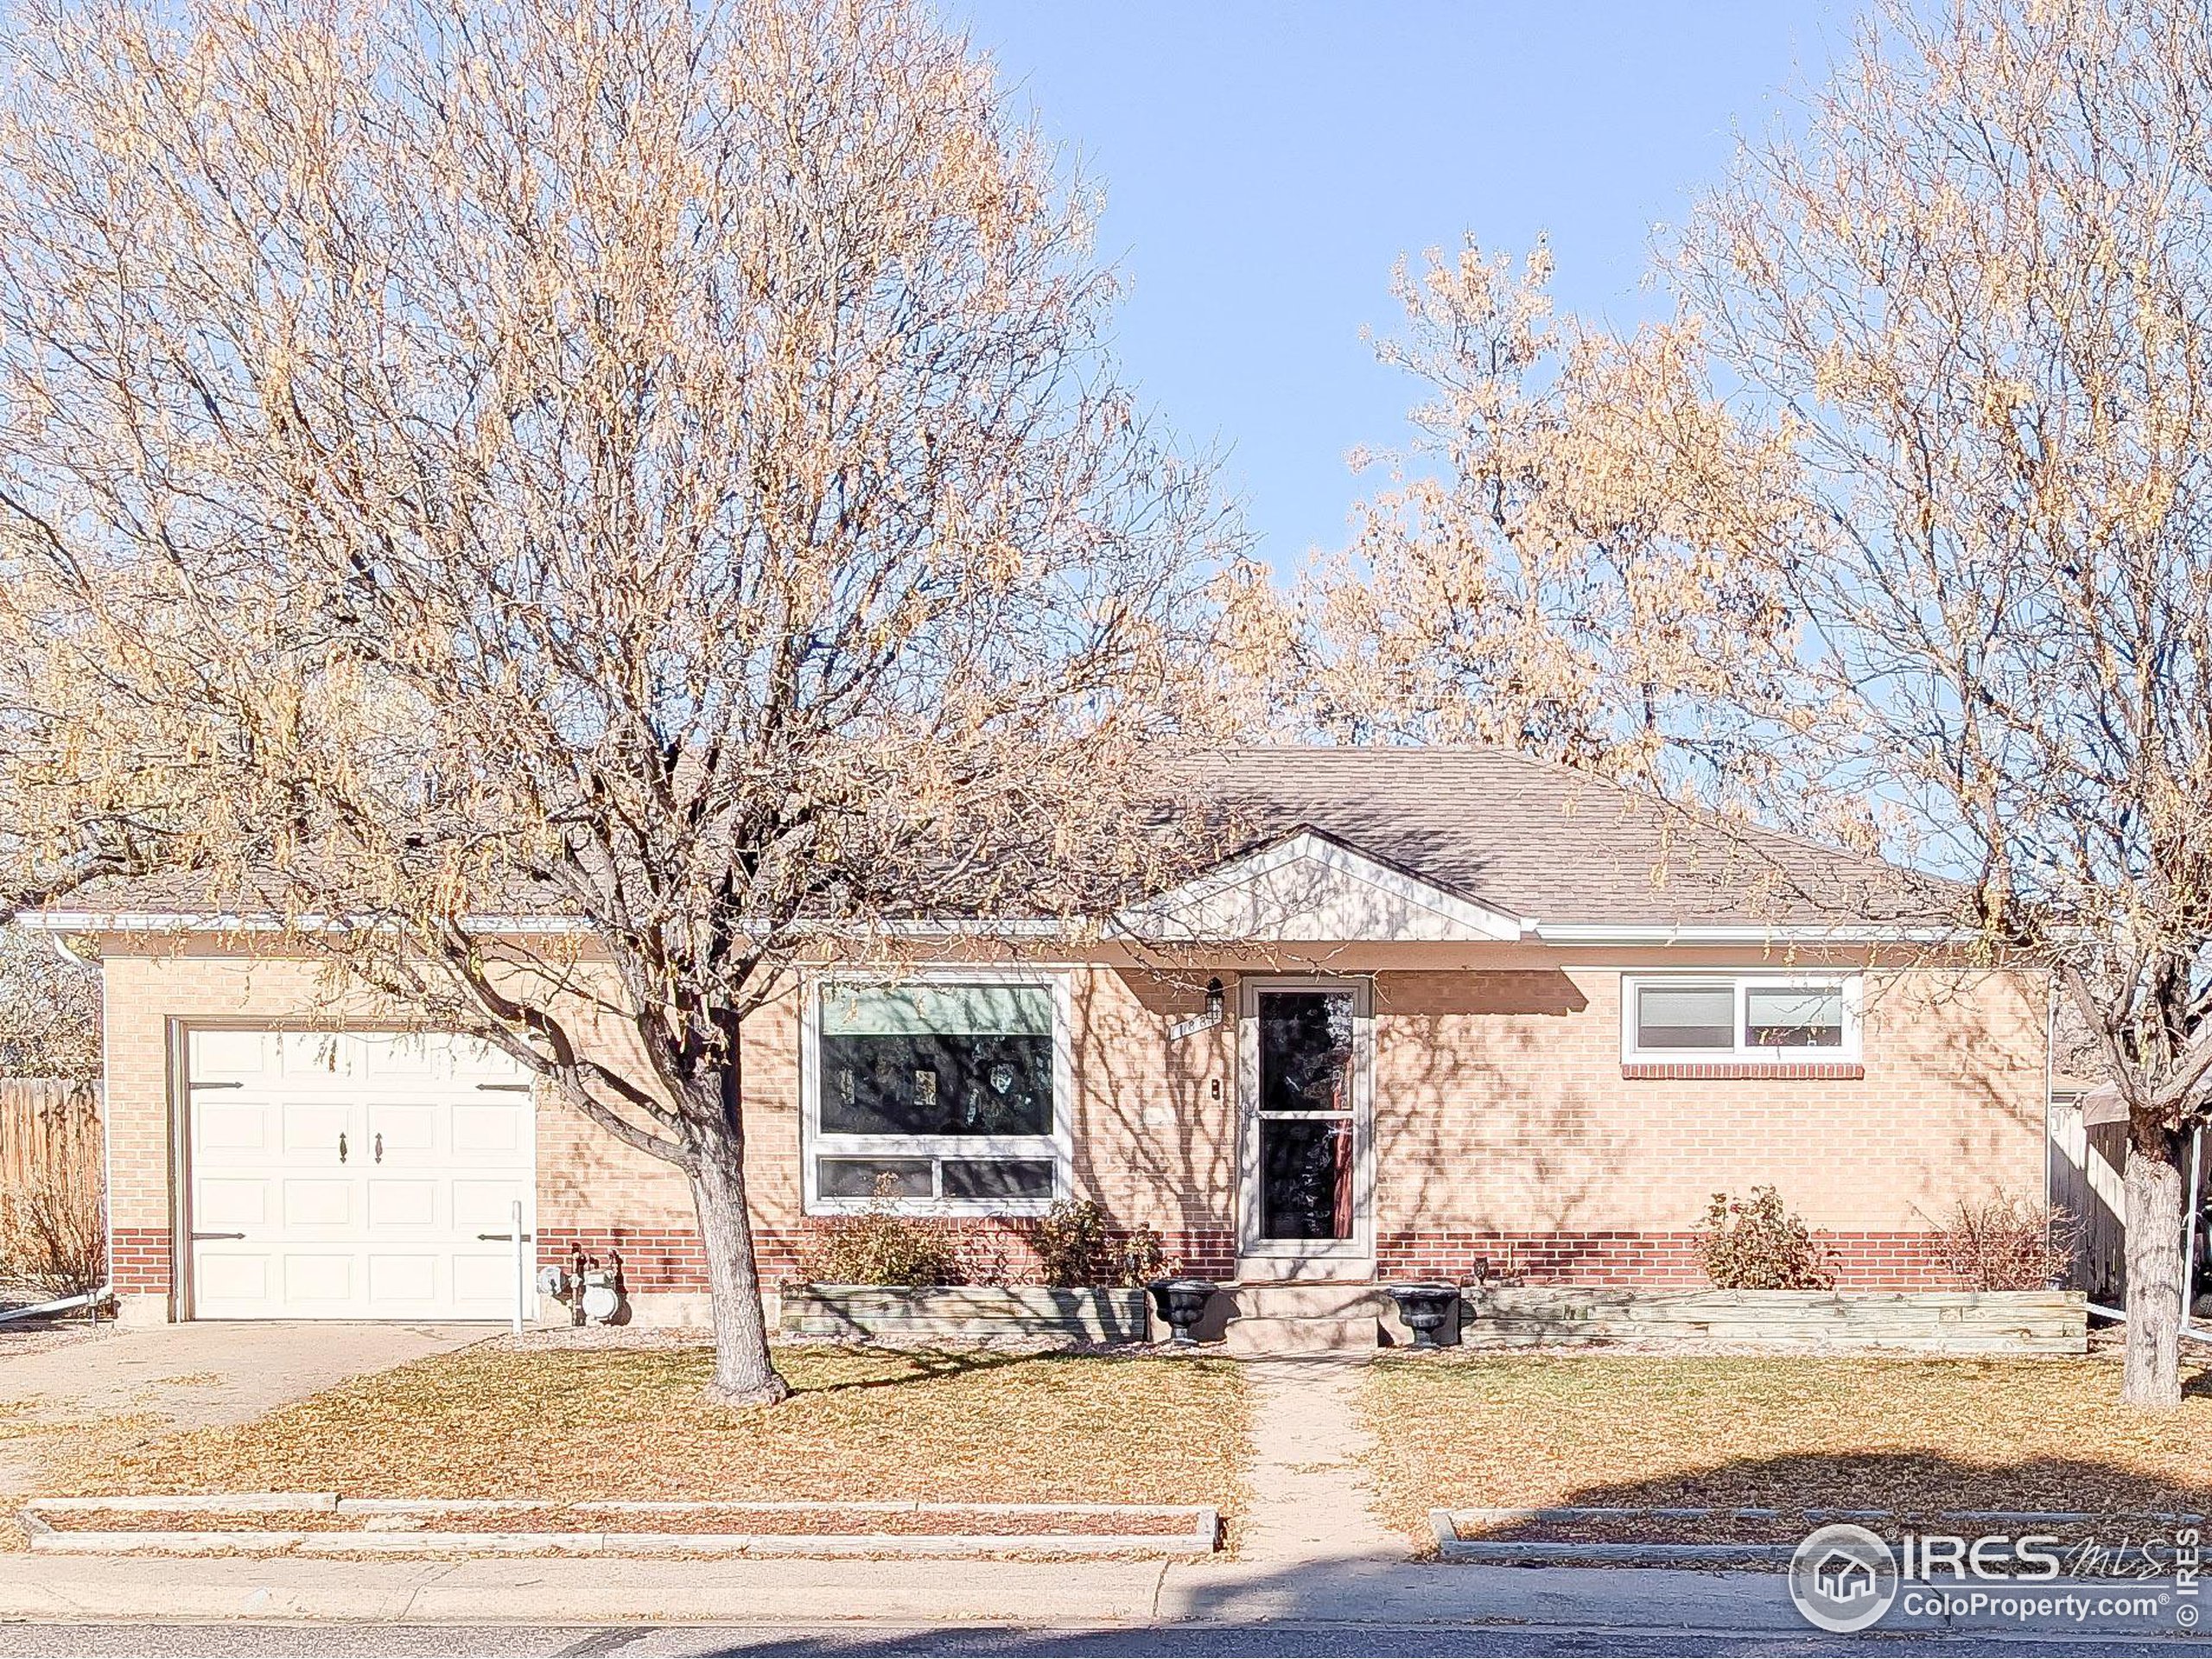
[1199,1022]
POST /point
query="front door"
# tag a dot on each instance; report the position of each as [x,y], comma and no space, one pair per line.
[1305,1054]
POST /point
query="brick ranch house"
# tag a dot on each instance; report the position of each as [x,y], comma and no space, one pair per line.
[1477,1013]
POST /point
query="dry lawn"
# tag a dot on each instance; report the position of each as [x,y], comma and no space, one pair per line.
[503,1420]
[1847,1433]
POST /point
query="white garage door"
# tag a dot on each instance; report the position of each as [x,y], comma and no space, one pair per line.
[355,1176]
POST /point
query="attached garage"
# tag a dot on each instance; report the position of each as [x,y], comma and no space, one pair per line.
[352,1175]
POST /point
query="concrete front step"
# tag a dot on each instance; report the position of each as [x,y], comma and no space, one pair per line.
[1280,1300]
[1252,1336]
[1281,1318]
[1305,1270]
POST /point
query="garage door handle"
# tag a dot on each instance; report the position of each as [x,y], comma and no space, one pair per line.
[196,1238]
[379,1146]
[503,1237]
[341,1146]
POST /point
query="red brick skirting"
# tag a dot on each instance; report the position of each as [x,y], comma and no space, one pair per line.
[140,1261]
[1861,1260]
[1744,1071]
[670,1259]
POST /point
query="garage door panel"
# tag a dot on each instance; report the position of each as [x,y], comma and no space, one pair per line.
[217,1055]
[400,1056]
[485,1207]
[306,1055]
[232,1203]
[313,1203]
[491,1129]
[485,1283]
[234,1279]
[473,1061]
[284,1228]
[404,1205]
[407,1127]
[312,1129]
[230,1126]
[395,1279]
[310,1278]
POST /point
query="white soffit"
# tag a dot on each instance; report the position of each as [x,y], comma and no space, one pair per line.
[1309,887]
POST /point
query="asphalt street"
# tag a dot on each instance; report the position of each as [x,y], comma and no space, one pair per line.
[864,1641]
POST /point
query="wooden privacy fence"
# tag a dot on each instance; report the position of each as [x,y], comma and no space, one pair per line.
[50,1127]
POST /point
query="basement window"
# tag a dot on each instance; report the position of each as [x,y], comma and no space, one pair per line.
[941,1094]
[1747,1017]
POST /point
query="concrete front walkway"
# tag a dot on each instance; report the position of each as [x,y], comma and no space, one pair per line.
[122,1388]
[1312,1501]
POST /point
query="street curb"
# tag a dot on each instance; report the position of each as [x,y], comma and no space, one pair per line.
[1201,1534]
[1450,1547]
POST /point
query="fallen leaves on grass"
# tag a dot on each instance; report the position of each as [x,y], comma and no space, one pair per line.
[1790,1433]
[33,1417]
[500,1420]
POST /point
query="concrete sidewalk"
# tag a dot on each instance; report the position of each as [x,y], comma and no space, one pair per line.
[1014,1594]
[60,1589]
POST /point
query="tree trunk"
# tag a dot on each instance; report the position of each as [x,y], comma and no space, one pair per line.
[744,1374]
[2155,1266]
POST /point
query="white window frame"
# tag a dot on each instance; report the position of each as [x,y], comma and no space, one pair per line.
[1058,1146]
[1741,982]
[1360,1247]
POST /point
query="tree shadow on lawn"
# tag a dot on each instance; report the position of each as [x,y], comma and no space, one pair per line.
[935,1365]
[1915,1488]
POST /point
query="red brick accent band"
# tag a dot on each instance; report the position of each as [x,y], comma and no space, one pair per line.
[141,1261]
[1860,1261]
[671,1259]
[1744,1071]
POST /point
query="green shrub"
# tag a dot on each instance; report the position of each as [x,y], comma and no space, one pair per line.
[2005,1242]
[1076,1247]
[881,1246]
[1756,1244]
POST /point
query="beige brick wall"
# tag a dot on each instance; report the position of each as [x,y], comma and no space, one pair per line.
[1501,1105]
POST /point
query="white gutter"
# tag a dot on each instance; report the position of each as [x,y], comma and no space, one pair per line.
[1670,933]
[158,921]
[155,921]
[1612,933]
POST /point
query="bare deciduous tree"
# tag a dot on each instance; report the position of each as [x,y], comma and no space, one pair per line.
[1564,562]
[580,509]
[50,1011]
[1938,565]
[1976,295]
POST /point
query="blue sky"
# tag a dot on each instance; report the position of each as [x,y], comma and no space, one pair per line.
[1266,161]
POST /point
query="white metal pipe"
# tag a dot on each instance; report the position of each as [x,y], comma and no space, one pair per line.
[2189,1237]
[2119,1318]
[87,1300]
[522,1270]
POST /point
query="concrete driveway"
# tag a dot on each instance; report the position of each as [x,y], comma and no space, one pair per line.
[118,1389]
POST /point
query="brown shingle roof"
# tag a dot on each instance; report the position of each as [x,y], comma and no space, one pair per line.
[1542,842]
[1534,840]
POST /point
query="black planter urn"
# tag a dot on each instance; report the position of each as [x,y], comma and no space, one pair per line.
[1180,1303]
[1425,1308]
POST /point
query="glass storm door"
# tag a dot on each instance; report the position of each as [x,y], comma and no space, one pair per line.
[1305,1076]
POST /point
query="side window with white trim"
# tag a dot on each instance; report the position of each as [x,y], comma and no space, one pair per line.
[1739,1016]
